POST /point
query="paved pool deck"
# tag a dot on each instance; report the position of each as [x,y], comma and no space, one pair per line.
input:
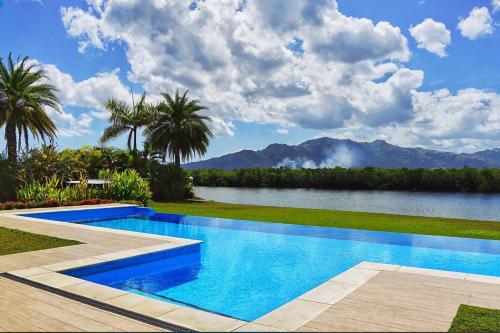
[367,297]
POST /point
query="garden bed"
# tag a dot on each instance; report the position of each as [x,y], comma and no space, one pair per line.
[50,203]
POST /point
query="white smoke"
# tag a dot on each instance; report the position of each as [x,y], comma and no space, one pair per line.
[342,157]
[309,164]
[287,163]
[339,157]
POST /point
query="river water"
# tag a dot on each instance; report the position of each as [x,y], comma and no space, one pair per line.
[453,205]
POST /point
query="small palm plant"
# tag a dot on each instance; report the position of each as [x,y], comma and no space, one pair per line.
[125,118]
[24,95]
[178,129]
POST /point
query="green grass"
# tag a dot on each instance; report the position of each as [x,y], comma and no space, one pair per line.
[474,319]
[339,219]
[16,241]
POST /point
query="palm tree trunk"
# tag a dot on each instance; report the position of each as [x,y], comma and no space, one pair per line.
[135,141]
[10,136]
[177,160]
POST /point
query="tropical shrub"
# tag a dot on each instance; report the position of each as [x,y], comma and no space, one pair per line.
[125,185]
[52,189]
[40,164]
[169,183]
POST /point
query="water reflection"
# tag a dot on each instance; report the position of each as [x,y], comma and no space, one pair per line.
[454,205]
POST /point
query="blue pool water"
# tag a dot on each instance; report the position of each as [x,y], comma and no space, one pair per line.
[245,269]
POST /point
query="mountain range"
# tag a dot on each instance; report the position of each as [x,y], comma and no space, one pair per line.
[328,152]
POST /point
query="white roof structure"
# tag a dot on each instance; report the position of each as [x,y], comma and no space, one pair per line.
[90,182]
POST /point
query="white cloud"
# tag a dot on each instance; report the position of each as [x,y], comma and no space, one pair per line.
[282,131]
[467,121]
[237,61]
[77,24]
[432,36]
[90,93]
[350,74]
[219,127]
[478,24]
[496,5]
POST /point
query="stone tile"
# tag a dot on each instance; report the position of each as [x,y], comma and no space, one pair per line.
[377,266]
[70,264]
[30,271]
[329,292]
[292,315]
[432,272]
[201,320]
[94,291]
[483,302]
[336,323]
[355,276]
[141,304]
[253,327]
[55,280]
[120,255]
[483,278]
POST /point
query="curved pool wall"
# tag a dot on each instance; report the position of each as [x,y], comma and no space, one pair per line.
[246,269]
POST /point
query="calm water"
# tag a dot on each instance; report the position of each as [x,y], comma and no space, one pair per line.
[456,205]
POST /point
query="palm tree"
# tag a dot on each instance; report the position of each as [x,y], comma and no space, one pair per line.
[23,98]
[125,118]
[177,128]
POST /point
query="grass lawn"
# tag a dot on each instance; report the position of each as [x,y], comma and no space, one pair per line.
[16,241]
[474,319]
[340,219]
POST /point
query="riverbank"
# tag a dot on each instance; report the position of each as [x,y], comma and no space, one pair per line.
[339,219]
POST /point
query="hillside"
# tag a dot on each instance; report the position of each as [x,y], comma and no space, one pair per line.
[328,153]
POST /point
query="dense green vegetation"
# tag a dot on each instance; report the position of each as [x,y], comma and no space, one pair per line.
[173,127]
[46,170]
[126,185]
[339,219]
[450,180]
[474,319]
[16,241]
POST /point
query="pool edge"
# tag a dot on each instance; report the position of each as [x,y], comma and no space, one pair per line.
[278,319]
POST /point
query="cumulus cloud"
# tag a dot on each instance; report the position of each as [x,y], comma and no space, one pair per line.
[240,58]
[90,94]
[235,58]
[466,121]
[496,5]
[219,127]
[432,36]
[478,24]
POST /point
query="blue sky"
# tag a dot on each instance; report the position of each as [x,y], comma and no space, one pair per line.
[414,72]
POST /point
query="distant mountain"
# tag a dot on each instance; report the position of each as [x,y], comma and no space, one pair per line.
[328,152]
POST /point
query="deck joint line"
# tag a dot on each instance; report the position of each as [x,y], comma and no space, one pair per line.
[100,305]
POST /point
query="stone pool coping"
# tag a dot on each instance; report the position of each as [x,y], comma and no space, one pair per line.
[288,317]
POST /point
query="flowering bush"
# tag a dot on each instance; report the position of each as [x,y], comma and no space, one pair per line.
[50,203]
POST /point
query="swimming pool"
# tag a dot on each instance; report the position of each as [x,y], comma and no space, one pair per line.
[246,269]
